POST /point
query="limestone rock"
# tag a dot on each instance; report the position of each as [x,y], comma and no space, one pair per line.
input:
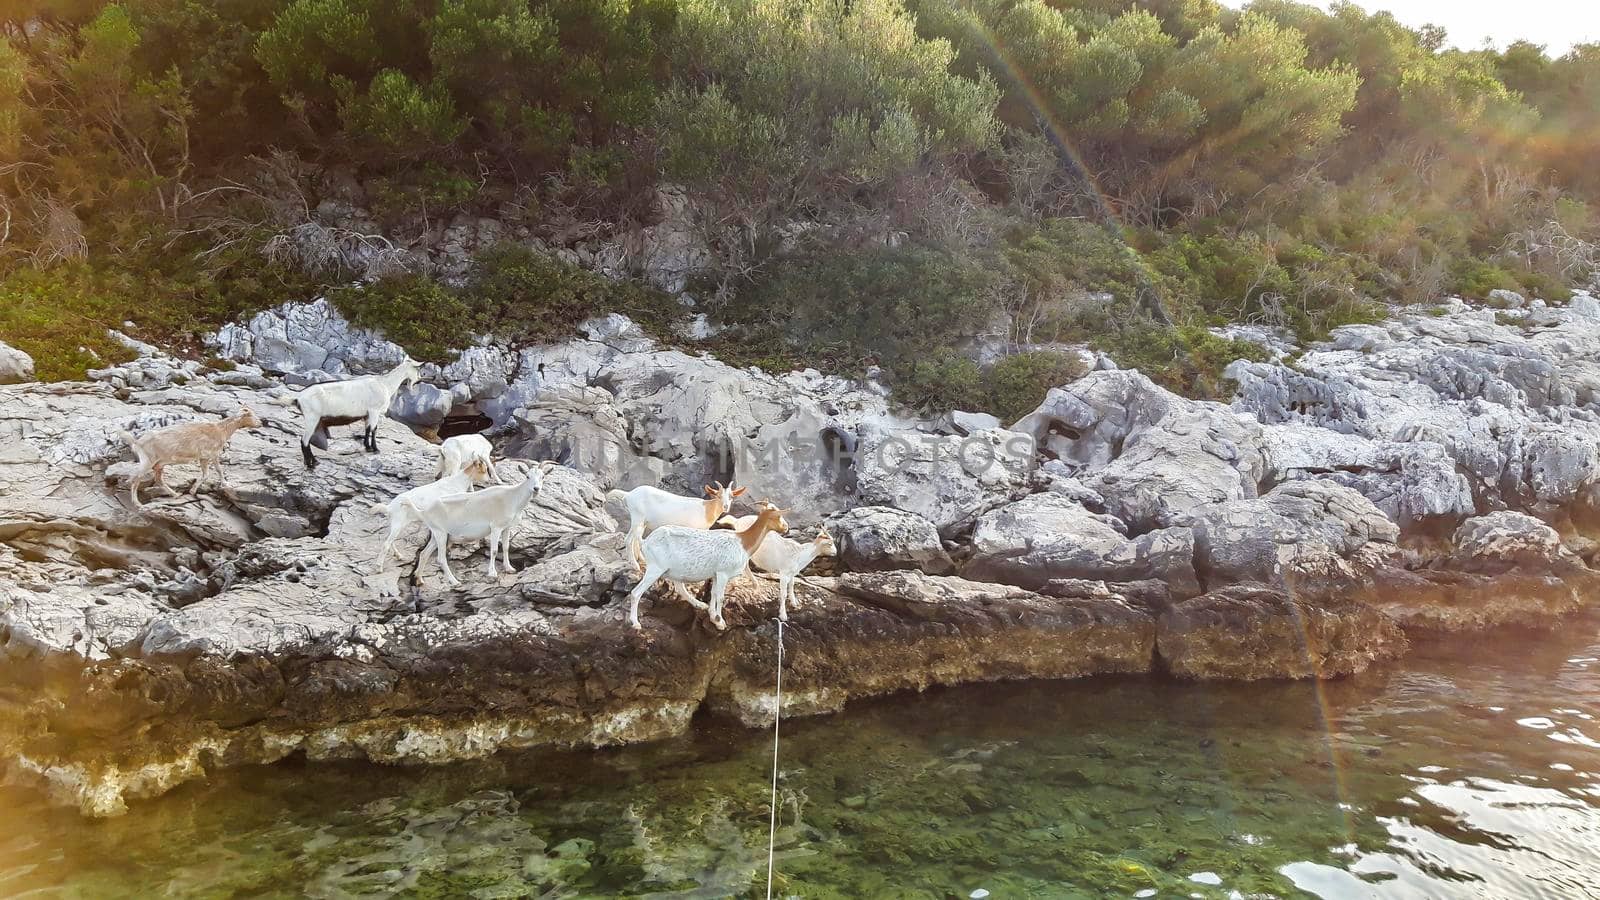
[880,538]
[949,480]
[1413,482]
[1249,633]
[15,366]
[1155,457]
[1045,537]
[1504,538]
[1511,404]
[1310,534]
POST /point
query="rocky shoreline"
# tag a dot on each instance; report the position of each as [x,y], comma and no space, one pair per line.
[1434,474]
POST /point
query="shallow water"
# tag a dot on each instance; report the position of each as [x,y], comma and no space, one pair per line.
[1472,772]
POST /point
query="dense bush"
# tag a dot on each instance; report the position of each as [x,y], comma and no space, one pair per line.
[515,294]
[1017,383]
[61,315]
[1188,359]
[876,180]
[890,306]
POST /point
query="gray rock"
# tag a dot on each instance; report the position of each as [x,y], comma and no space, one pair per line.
[880,538]
[1049,537]
[948,480]
[422,405]
[15,366]
[1413,482]
[1504,299]
[1584,305]
[1509,538]
[1155,457]
[1512,407]
[1313,536]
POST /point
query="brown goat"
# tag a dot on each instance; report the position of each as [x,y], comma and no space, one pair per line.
[194,443]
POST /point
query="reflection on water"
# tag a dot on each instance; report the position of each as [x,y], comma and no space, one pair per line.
[1468,773]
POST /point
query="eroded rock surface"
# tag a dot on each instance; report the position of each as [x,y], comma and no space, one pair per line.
[1156,458]
[1116,529]
[1050,536]
[1249,633]
[881,538]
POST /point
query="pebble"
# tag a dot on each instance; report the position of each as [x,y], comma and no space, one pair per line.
[1211,878]
[978,894]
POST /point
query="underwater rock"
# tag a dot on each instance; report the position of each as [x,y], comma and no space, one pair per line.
[1247,633]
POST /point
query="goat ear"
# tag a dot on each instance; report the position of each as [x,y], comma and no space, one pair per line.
[710,491]
[739,492]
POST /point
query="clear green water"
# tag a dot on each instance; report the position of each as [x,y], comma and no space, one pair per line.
[1468,773]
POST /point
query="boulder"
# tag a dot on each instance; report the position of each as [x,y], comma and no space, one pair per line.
[1046,537]
[1155,457]
[1414,483]
[949,480]
[1504,299]
[1509,402]
[15,366]
[1502,539]
[1315,536]
[1248,633]
[881,538]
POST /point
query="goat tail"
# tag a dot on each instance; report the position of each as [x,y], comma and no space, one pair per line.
[291,400]
[616,496]
[378,507]
[127,436]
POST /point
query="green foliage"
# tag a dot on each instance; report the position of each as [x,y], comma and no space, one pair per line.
[1475,278]
[1015,385]
[414,311]
[804,102]
[1187,360]
[515,294]
[398,118]
[898,307]
[62,315]
[1059,261]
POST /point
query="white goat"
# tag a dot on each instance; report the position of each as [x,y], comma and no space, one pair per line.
[784,557]
[681,555]
[490,513]
[200,443]
[651,507]
[463,449]
[403,508]
[366,398]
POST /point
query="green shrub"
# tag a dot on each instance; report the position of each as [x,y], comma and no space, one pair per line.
[846,310]
[1060,260]
[1014,386]
[60,315]
[516,294]
[1475,278]
[414,311]
[1187,360]
[938,382]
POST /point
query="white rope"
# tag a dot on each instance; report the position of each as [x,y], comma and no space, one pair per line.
[777,715]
